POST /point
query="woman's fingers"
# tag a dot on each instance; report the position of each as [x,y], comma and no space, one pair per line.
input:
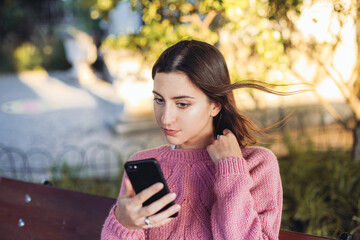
[147,193]
[129,191]
[132,214]
[163,217]
[167,213]
[225,146]
[226,131]
[156,224]
[129,205]
[165,221]
[157,205]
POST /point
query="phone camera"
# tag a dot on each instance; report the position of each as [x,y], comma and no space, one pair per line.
[131,167]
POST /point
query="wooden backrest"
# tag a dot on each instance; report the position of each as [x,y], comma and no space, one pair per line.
[33,211]
[51,213]
[288,235]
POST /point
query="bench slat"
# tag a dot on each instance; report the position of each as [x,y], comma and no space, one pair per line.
[52,213]
[288,235]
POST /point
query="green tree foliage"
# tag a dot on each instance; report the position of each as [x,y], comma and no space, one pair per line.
[279,9]
[97,8]
[23,24]
[166,22]
[27,57]
[31,32]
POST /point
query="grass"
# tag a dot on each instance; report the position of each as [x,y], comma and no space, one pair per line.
[70,179]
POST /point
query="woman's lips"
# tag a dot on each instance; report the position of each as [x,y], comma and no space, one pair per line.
[170,132]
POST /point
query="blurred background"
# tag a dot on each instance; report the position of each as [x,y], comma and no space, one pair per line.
[76,101]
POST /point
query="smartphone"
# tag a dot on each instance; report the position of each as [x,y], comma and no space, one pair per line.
[143,174]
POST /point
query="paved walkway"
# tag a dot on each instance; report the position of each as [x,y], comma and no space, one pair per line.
[52,111]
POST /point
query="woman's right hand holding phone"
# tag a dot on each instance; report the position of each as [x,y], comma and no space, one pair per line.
[131,213]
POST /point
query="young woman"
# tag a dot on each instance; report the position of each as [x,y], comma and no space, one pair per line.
[223,188]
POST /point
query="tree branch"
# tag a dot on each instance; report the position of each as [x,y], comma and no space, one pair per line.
[331,110]
[351,99]
[209,18]
[194,18]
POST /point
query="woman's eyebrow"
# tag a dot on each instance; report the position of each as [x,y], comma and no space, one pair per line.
[154,92]
[176,97]
[181,97]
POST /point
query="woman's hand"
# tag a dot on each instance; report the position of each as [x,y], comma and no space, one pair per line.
[131,214]
[225,146]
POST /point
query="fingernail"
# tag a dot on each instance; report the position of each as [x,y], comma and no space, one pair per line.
[159,185]
[172,196]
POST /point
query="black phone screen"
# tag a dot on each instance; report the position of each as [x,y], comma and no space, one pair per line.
[143,174]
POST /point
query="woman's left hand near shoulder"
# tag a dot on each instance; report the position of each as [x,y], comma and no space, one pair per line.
[225,146]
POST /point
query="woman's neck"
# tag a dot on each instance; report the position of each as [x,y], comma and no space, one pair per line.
[198,144]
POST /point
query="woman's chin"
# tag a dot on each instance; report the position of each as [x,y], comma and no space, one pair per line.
[173,141]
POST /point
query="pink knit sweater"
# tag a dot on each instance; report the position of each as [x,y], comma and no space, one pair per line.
[237,198]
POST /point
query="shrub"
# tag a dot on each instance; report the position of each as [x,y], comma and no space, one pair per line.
[46,54]
[27,57]
[67,177]
[321,191]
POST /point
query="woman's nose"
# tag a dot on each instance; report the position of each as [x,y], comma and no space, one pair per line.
[168,115]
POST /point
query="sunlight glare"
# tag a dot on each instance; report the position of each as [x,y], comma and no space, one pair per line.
[328,90]
[54,94]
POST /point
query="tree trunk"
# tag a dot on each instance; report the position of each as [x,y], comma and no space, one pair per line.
[356,142]
[356,130]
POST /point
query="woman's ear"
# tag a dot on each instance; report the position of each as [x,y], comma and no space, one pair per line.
[215,108]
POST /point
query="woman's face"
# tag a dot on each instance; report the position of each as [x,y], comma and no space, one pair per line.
[183,112]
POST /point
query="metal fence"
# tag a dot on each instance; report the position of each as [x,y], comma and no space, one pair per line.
[95,159]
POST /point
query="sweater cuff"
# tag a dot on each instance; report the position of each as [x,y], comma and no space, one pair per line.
[112,227]
[231,166]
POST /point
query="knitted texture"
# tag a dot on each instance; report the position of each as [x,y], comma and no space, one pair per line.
[236,198]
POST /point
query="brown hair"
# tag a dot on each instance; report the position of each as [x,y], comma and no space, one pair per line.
[205,66]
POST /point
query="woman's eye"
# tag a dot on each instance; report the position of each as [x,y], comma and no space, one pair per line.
[183,105]
[159,100]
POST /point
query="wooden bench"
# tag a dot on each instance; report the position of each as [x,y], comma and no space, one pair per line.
[34,211]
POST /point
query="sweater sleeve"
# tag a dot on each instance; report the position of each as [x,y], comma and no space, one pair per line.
[112,229]
[248,201]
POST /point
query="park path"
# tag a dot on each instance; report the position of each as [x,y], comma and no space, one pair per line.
[53,112]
